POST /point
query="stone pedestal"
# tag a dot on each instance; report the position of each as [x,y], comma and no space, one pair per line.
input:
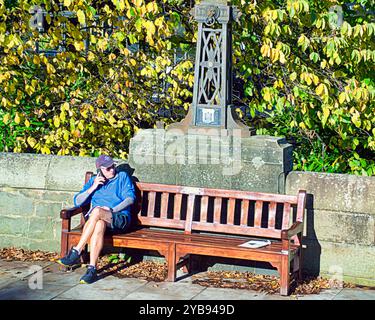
[255,163]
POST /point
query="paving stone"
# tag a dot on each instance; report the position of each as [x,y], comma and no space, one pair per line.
[20,290]
[109,288]
[166,291]
[355,294]
[328,294]
[5,281]
[229,294]
[21,269]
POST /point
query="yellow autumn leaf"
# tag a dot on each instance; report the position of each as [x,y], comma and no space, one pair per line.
[62,116]
[65,106]
[308,80]
[17,118]
[326,112]
[267,95]
[282,57]
[315,79]
[150,27]
[320,89]
[66,135]
[79,45]
[159,21]
[6,118]
[45,150]
[27,123]
[36,59]
[356,119]
[56,121]
[50,68]
[81,16]
[31,141]
[90,56]
[67,3]
[342,97]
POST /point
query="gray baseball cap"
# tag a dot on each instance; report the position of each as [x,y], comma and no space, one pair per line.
[104,161]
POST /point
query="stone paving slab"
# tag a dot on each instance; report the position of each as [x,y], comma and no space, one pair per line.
[166,291]
[326,294]
[21,269]
[109,288]
[355,294]
[20,290]
[229,294]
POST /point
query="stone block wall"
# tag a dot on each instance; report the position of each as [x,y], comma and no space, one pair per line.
[33,190]
[340,224]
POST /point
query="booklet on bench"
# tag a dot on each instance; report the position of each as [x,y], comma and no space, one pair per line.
[255,244]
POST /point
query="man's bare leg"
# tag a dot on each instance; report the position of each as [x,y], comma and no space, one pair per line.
[97,241]
[96,215]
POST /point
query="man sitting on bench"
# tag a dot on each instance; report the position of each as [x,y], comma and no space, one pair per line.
[110,194]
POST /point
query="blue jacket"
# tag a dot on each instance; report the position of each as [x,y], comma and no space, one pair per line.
[113,192]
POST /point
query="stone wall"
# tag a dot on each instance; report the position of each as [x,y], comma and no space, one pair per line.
[340,216]
[340,224]
[33,190]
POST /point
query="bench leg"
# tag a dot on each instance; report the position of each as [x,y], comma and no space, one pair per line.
[284,275]
[65,237]
[187,268]
[300,276]
[171,262]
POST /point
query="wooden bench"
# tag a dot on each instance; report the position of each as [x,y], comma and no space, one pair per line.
[180,221]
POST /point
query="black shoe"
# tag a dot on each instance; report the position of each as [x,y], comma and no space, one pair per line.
[71,259]
[90,276]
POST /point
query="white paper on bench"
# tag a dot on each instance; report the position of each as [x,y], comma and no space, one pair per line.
[255,244]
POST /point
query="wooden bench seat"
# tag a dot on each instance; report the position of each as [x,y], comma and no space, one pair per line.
[180,221]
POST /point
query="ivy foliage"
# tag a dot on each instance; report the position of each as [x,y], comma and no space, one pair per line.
[304,70]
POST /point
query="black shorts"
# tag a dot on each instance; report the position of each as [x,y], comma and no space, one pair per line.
[120,223]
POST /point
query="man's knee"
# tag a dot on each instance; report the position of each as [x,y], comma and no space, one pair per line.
[100,227]
[96,213]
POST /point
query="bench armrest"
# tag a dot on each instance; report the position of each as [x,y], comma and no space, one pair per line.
[296,228]
[68,213]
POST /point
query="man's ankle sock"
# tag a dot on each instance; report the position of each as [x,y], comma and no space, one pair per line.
[76,249]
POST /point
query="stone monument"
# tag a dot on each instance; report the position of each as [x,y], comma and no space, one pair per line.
[212,95]
[211,147]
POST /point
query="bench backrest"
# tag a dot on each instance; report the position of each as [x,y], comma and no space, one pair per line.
[218,210]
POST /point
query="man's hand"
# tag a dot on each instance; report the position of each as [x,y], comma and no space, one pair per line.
[98,181]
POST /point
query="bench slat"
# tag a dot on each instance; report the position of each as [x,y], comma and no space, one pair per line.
[177,206]
[151,204]
[286,216]
[258,214]
[204,209]
[231,208]
[244,212]
[166,223]
[217,212]
[248,231]
[189,214]
[164,205]
[272,215]
[222,193]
